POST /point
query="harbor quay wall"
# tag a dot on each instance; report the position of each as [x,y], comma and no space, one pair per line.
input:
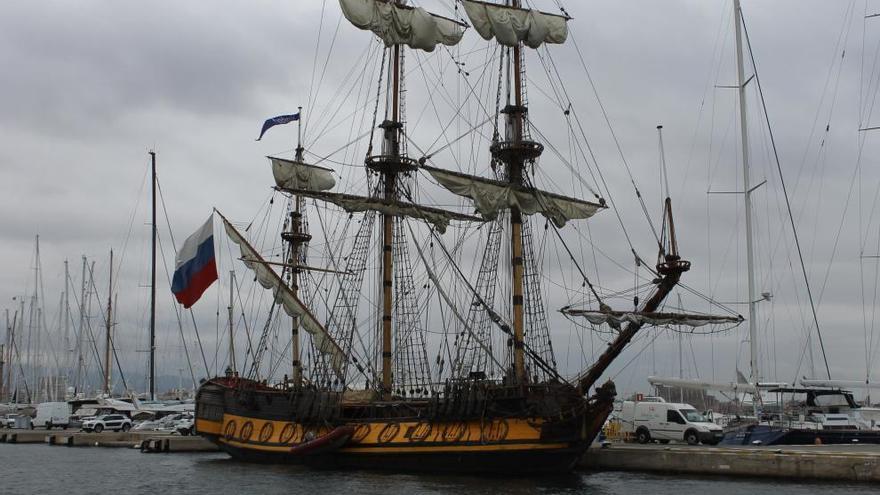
[146,441]
[818,463]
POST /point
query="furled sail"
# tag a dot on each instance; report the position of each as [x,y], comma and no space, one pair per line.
[297,175]
[352,203]
[690,384]
[491,196]
[616,318]
[267,277]
[400,24]
[511,25]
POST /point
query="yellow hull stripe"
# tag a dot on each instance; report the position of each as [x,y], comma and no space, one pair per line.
[387,433]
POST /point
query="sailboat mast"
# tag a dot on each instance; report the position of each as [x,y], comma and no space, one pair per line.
[747,190]
[65,312]
[153,285]
[79,336]
[3,359]
[109,326]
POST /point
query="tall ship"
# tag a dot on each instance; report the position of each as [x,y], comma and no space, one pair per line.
[370,397]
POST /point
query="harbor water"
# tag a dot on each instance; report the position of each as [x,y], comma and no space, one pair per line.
[38,469]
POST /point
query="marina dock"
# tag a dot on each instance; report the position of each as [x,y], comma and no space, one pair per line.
[145,441]
[821,462]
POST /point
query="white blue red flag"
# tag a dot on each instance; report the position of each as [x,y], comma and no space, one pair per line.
[281,119]
[196,267]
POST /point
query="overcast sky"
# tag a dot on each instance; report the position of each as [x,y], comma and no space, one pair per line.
[87,88]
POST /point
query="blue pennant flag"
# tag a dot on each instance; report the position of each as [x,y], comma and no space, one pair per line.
[281,119]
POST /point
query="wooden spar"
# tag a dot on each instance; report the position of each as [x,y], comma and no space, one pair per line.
[296,239]
[153,286]
[295,242]
[109,327]
[390,176]
[299,267]
[514,174]
[669,270]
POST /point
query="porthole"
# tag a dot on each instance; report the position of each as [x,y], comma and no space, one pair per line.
[246,431]
[266,432]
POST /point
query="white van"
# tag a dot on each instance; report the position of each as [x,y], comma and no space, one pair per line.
[52,414]
[664,421]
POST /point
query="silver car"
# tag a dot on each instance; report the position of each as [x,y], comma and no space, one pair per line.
[115,422]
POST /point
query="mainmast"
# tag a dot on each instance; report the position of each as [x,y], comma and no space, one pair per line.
[747,191]
[388,171]
[153,285]
[514,174]
[514,151]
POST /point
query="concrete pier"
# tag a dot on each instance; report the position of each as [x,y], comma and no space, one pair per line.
[829,462]
[23,436]
[147,441]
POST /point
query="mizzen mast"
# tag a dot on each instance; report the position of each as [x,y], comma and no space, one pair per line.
[296,237]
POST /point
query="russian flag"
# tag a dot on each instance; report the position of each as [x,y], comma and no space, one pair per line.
[196,267]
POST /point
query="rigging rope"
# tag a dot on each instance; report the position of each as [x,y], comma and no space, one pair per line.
[787,200]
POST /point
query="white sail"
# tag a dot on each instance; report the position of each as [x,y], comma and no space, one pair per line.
[617,318]
[510,25]
[353,204]
[398,24]
[490,197]
[296,175]
[267,277]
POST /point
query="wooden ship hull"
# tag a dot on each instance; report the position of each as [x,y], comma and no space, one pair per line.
[475,429]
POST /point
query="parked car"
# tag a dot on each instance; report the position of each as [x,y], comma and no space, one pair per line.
[664,421]
[9,420]
[51,414]
[115,422]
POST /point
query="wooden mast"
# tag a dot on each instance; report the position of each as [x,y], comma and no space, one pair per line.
[109,327]
[153,287]
[514,175]
[389,174]
[296,238]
